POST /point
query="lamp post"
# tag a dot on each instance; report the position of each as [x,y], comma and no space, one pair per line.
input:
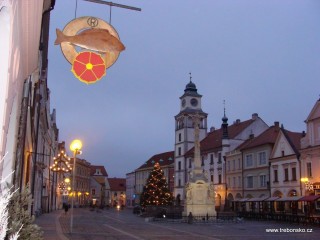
[75,147]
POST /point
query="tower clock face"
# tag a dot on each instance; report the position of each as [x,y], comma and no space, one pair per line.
[183,103]
[194,102]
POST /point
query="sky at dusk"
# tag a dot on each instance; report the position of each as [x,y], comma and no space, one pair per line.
[259,56]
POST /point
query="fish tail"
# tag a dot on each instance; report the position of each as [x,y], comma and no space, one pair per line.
[60,37]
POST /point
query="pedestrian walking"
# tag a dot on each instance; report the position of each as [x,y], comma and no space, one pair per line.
[66,208]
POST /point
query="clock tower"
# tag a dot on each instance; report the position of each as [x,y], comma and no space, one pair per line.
[190,108]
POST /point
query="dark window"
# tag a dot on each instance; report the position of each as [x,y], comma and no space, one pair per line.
[190,162]
[220,179]
[179,165]
[219,158]
[211,159]
[286,174]
[309,171]
[179,137]
[275,175]
[202,161]
[294,174]
[250,182]
[179,151]
[179,184]
[211,178]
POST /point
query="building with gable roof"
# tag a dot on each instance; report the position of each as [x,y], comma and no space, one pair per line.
[117,192]
[285,168]
[99,186]
[310,154]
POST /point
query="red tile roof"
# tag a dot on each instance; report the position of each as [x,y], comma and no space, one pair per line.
[213,140]
[102,170]
[163,159]
[117,184]
[269,136]
[294,139]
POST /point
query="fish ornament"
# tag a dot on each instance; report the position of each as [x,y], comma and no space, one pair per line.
[90,45]
[95,39]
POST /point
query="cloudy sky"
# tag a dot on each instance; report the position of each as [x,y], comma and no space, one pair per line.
[259,56]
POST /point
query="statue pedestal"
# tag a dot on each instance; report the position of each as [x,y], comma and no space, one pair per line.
[200,198]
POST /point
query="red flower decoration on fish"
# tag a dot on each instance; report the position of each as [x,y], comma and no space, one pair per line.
[89,67]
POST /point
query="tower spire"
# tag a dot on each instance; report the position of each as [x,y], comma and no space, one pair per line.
[190,77]
[224,124]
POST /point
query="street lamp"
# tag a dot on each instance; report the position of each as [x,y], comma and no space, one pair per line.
[308,184]
[75,147]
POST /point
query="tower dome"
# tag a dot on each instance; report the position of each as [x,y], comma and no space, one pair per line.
[191,87]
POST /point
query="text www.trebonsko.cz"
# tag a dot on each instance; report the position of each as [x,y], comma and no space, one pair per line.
[289,230]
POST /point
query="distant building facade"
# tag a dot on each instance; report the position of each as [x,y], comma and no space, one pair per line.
[117,192]
[99,186]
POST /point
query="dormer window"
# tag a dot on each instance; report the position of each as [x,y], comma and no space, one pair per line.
[98,172]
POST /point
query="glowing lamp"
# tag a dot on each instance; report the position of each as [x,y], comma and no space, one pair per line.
[75,145]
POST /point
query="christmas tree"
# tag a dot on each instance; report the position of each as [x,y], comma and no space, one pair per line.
[156,191]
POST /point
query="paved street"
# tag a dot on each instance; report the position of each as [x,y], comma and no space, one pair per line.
[123,225]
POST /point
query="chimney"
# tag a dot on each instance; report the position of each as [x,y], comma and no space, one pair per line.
[303,133]
[212,129]
[276,124]
[251,136]
[238,121]
[255,116]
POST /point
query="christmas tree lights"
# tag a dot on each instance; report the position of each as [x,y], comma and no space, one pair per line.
[156,191]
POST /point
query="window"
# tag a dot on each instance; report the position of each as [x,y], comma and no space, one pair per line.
[263,181]
[234,182]
[228,166]
[202,161]
[219,179]
[179,165]
[286,174]
[239,182]
[179,137]
[211,159]
[275,172]
[262,158]
[179,183]
[250,182]
[294,174]
[190,162]
[239,163]
[309,170]
[233,164]
[219,158]
[179,151]
[249,160]
[211,178]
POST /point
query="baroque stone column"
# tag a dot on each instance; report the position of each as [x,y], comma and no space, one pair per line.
[200,194]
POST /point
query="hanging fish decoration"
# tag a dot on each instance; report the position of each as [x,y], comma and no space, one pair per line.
[95,39]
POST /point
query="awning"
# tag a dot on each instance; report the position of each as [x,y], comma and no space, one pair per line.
[257,199]
[271,199]
[310,198]
[289,199]
[236,200]
[244,200]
